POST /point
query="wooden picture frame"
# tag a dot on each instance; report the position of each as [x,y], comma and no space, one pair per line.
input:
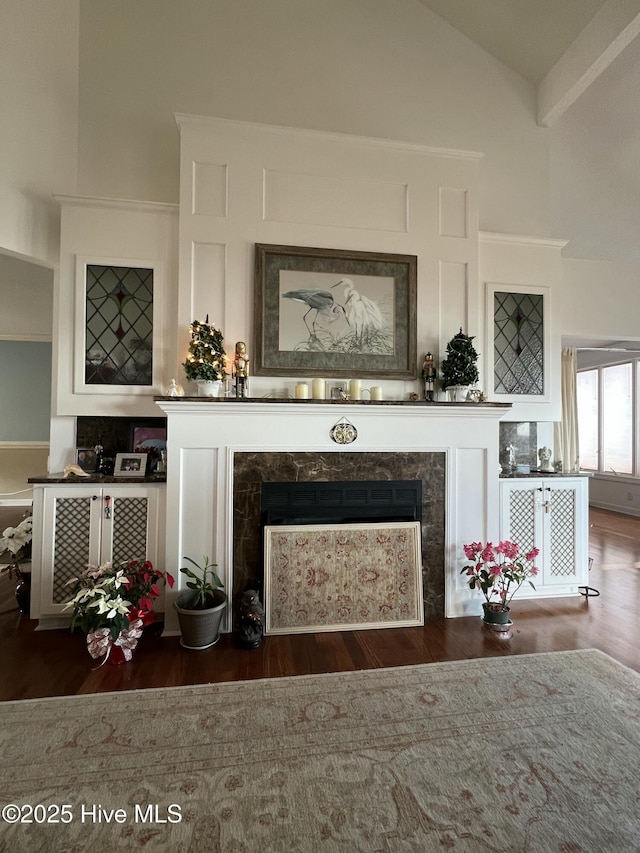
[130,465]
[334,312]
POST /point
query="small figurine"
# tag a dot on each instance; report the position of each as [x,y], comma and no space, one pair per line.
[544,454]
[429,377]
[250,624]
[240,370]
[175,390]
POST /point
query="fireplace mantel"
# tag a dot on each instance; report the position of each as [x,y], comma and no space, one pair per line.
[205,434]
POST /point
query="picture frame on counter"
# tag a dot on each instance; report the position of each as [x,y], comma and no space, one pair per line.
[130,465]
[334,312]
[86,458]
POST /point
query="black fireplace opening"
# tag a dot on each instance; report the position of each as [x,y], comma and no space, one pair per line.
[340,502]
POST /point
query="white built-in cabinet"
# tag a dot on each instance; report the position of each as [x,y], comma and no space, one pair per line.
[78,525]
[550,514]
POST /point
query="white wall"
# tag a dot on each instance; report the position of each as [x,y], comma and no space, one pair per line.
[383,68]
[599,299]
[38,143]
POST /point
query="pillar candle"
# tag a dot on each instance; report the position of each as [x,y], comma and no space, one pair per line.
[302,391]
[376,392]
[318,391]
[355,389]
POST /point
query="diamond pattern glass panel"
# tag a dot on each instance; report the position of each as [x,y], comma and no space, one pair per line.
[73,530]
[522,516]
[129,529]
[119,325]
[562,546]
[518,343]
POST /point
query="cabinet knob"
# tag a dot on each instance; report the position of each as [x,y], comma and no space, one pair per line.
[94,497]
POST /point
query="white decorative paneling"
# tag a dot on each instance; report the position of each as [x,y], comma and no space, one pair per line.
[454,300]
[470,508]
[198,505]
[453,212]
[208,282]
[209,191]
[336,201]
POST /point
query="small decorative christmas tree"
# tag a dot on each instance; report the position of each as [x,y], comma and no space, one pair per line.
[460,365]
[206,358]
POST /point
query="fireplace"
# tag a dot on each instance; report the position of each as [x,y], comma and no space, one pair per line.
[221,452]
[341,555]
[332,487]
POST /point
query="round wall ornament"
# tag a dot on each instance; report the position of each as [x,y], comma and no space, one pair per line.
[343,432]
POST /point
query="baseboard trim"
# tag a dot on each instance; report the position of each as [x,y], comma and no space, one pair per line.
[623,510]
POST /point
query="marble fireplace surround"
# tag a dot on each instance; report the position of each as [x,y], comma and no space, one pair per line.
[219,452]
[250,470]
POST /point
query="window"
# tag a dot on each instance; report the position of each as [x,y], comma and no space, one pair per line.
[587,392]
[606,421]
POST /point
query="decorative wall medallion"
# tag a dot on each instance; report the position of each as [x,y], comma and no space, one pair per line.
[343,432]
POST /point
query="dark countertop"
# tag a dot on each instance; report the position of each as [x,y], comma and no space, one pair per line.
[538,475]
[72,479]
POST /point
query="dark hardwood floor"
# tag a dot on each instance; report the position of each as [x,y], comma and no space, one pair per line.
[54,663]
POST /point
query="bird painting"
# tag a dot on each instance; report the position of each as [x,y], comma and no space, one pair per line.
[327,310]
[362,313]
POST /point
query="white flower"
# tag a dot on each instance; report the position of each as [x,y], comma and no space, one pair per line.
[15,538]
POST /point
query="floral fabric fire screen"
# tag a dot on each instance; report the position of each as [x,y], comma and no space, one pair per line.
[342,577]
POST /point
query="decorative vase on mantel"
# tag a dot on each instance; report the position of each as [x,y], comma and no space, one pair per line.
[458,393]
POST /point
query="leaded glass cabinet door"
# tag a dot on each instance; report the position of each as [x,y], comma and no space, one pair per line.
[117,328]
[518,351]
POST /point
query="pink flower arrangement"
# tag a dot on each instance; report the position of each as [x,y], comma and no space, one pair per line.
[499,571]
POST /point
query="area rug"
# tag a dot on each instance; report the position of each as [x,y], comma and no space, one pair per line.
[342,577]
[511,754]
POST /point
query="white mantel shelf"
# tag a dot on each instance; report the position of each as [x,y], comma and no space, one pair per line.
[248,405]
[205,433]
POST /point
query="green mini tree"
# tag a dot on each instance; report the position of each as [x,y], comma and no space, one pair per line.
[206,358]
[460,367]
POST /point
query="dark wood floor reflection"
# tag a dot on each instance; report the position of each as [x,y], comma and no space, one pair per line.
[50,663]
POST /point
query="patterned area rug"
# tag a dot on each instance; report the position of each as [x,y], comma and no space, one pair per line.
[532,753]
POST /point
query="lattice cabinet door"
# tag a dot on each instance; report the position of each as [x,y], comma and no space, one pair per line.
[65,534]
[551,515]
[564,543]
[129,526]
[75,526]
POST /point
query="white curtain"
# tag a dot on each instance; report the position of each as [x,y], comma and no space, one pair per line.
[566,430]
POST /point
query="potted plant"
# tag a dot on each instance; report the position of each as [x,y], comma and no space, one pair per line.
[112,604]
[200,607]
[498,572]
[460,368]
[17,542]
[206,360]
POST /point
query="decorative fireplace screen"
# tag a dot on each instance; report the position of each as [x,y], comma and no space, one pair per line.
[333,577]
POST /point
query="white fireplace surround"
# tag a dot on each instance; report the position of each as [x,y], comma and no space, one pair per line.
[205,435]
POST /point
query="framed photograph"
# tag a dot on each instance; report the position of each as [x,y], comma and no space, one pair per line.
[86,459]
[130,465]
[146,439]
[333,312]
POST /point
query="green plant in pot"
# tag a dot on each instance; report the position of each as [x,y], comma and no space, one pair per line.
[459,369]
[200,607]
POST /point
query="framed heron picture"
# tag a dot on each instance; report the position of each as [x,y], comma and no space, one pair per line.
[333,312]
